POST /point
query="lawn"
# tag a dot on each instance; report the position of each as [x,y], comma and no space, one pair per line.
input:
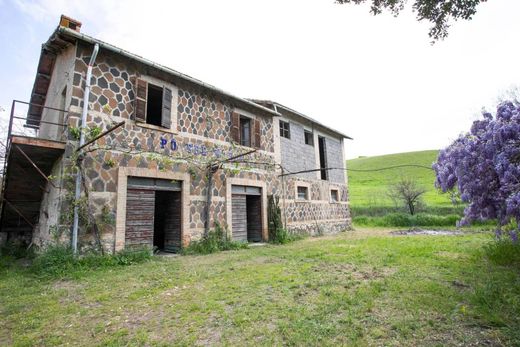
[356,288]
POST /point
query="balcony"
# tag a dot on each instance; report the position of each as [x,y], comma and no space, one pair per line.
[32,148]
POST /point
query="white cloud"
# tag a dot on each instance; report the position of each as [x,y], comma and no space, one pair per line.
[376,78]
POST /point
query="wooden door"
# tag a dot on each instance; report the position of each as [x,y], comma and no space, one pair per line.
[239,217]
[140,208]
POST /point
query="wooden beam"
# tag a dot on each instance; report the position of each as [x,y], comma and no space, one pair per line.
[31,141]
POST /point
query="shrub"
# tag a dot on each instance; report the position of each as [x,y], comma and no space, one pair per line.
[59,260]
[281,236]
[503,252]
[215,241]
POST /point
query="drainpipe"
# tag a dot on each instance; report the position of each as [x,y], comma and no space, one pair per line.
[82,124]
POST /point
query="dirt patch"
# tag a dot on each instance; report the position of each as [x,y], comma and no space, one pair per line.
[426,232]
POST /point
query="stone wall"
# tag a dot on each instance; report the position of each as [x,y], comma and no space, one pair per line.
[335,160]
[295,154]
[202,135]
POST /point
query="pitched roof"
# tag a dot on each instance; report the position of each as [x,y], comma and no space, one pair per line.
[277,105]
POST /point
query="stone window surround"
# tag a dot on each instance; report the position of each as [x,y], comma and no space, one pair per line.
[175,101]
[336,189]
[230,181]
[284,120]
[302,184]
[122,179]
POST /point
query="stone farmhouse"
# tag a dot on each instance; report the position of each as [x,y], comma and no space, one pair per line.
[156,149]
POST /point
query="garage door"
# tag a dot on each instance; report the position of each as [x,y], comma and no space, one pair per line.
[239,213]
[140,207]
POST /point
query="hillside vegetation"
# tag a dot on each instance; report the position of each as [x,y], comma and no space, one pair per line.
[368,190]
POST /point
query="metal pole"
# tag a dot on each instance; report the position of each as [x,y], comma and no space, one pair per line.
[77,193]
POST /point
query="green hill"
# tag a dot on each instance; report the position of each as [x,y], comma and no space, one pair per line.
[369,189]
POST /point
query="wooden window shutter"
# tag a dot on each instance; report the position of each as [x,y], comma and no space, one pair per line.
[235,127]
[257,134]
[140,100]
[166,108]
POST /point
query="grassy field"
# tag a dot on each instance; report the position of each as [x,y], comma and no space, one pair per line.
[368,189]
[356,288]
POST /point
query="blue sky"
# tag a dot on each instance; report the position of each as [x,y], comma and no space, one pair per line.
[377,79]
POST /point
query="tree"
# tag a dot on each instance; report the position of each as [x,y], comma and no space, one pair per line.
[408,192]
[484,165]
[438,12]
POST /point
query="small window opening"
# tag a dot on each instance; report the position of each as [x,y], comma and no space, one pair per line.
[334,195]
[303,193]
[154,105]
[285,130]
[309,140]
[323,158]
[245,131]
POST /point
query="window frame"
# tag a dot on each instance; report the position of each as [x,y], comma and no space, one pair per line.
[173,129]
[306,197]
[335,190]
[311,137]
[285,130]
[240,129]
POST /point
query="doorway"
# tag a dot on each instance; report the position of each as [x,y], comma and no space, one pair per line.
[153,214]
[246,213]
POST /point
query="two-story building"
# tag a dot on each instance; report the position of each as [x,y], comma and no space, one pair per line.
[155,140]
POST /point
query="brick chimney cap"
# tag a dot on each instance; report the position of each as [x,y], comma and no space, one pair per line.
[70,23]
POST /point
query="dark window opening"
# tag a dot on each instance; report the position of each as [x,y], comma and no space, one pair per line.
[309,140]
[245,131]
[323,158]
[285,130]
[334,195]
[303,193]
[154,105]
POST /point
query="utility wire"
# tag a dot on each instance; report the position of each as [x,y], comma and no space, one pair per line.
[359,170]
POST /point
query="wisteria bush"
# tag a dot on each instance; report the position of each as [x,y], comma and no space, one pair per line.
[484,166]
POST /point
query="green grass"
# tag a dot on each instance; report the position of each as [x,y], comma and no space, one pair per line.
[368,189]
[356,288]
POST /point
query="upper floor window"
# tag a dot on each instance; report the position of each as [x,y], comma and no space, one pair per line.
[285,130]
[303,193]
[153,104]
[245,131]
[309,140]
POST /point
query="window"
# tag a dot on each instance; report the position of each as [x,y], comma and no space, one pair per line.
[303,193]
[153,104]
[309,140]
[334,196]
[323,158]
[245,131]
[285,130]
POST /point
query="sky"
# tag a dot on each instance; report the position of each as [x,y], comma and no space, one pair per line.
[376,78]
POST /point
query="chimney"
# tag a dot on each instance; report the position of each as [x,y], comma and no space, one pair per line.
[70,23]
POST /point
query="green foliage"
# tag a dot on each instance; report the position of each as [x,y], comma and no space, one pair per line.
[216,240]
[93,132]
[277,233]
[440,13]
[281,236]
[503,252]
[75,132]
[59,261]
